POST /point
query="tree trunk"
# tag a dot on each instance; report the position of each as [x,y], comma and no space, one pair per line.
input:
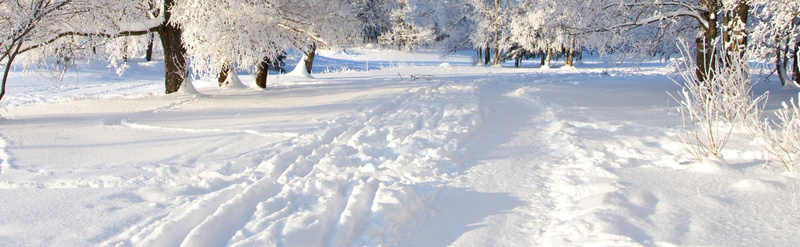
[780,62]
[571,52]
[487,57]
[175,67]
[796,64]
[568,57]
[480,54]
[547,60]
[223,75]
[735,34]
[544,56]
[149,53]
[262,73]
[11,55]
[497,58]
[498,8]
[517,60]
[704,57]
[312,52]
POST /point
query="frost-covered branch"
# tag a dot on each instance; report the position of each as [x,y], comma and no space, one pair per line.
[219,33]
[652,19]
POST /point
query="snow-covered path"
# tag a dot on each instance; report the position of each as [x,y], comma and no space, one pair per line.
[530,171]
[505,191]
[401,156]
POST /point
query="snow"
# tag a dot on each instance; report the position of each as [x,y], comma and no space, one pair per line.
[233,81]
[388,148]
[300,70]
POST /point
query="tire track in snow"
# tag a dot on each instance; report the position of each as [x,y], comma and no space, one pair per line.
[291,169]
[232,213]
[231,216]
[351,184]
[172,229]
[349,224]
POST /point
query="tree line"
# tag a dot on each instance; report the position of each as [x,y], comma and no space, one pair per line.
[212,37]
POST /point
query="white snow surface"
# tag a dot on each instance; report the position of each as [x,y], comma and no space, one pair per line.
[378,148]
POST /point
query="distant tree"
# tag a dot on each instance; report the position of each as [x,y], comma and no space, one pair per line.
[66,28]
[374,18]
[255,33]
[622,23]
[404,32]
[491,32]
[449,21]
[542,27]
[776,36]
[20,21]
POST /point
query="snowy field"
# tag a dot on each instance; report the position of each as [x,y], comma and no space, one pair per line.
[379,148]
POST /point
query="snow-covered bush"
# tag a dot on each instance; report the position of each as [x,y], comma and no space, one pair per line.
[782,142]
[711,104]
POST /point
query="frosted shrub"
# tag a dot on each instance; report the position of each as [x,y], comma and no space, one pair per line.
[711,106]
[781,138]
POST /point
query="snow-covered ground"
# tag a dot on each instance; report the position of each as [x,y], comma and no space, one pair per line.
[378,148]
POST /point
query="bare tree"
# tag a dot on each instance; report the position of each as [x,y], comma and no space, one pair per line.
[219,33]
[20,20]
[712,19]
[46,27]
[776,37]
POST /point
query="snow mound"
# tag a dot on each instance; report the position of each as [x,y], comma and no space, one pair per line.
[754,185]
[300,70]
[299,73]
[526,94]
[233,81]
[187,87]
[709,165]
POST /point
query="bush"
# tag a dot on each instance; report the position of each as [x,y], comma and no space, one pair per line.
[781,139]
[711,106]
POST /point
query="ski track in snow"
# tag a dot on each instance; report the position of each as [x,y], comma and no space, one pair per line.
[126,123]
[358,182]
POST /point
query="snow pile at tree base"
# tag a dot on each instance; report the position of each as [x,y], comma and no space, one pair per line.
[233,81]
